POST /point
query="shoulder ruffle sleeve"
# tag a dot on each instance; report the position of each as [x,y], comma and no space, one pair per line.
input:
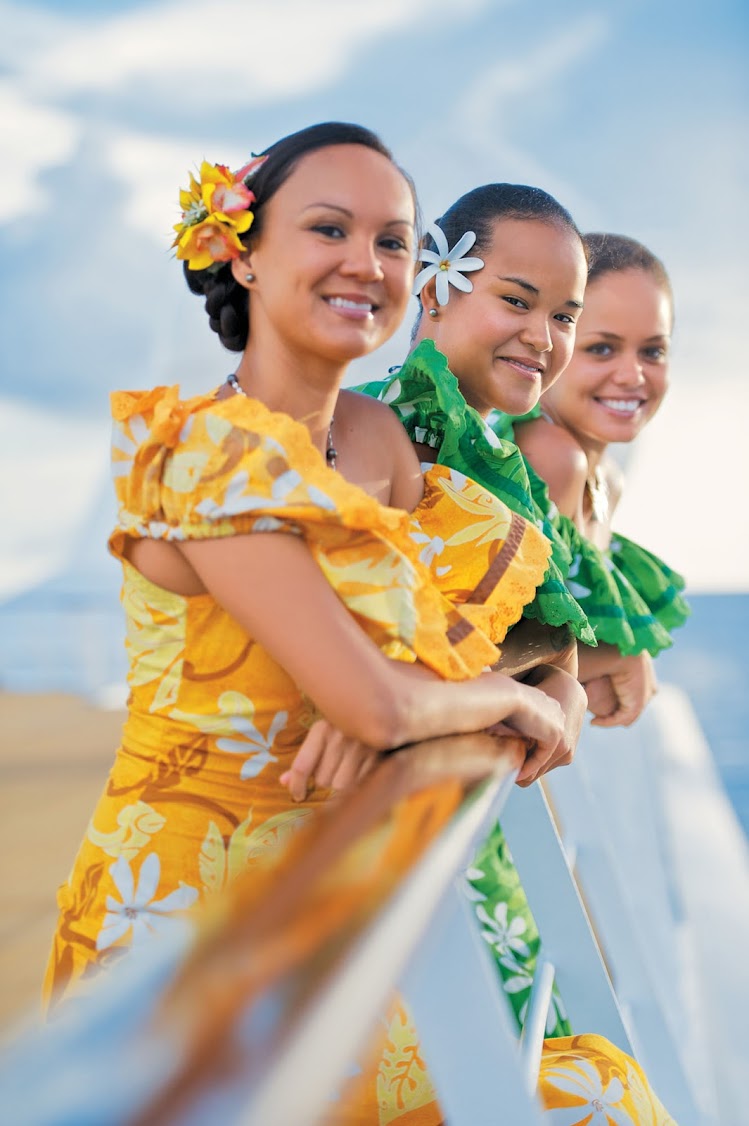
[203,468]
[426,396]
[482,556]
[631,598]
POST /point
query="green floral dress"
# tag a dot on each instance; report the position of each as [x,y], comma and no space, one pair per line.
[631,598]
[624,596]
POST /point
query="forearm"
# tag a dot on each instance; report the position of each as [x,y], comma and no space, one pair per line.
[532,643]
[423,706]
[604,660]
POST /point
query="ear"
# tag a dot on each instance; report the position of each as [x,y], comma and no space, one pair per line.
[428,298]
[242,267]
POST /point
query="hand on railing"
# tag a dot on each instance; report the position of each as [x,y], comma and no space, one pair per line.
[545,716]
[617,695]
[330,759]
[570,697]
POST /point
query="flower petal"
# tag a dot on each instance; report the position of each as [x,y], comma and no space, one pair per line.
[439,239]
[458,280]
[423,277]
[464,243]
[178,900]
[443,289]
[467,264]
[567,1115]
[148,880]
[123,879]
[428,256]
[113,928]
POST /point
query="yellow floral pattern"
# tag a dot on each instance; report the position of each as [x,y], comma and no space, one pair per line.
[194,793]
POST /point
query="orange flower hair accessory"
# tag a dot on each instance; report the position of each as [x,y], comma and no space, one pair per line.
[216,210]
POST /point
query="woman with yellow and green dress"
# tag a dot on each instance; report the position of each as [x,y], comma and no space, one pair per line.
[483,356]
[266,585]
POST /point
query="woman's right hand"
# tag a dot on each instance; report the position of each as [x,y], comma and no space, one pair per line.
[540,718]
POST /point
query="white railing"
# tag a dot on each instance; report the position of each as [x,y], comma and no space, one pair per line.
[422,940]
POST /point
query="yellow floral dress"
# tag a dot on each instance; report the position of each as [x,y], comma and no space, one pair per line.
[194,796]
[213,721]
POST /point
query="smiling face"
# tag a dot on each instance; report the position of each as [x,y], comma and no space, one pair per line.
[619,372]
[333,263]
[511,337]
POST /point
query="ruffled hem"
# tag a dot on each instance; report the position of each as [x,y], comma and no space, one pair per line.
[631,598]
[206,467]
[426,396]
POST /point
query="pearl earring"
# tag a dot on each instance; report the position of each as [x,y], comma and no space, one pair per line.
[432,312]
[249,277]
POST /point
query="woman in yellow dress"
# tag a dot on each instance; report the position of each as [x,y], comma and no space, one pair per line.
[239,641]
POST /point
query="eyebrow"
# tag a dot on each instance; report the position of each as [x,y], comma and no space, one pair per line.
[349,214]
[526,285]
[616,336]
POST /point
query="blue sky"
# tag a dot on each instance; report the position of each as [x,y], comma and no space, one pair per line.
[634,114]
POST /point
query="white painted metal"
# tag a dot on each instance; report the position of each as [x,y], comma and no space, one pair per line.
[534,1028]
[297,1089]
[568,941]
[650,1013]
[467,1032]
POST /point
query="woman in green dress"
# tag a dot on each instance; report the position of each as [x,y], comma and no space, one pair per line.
[613,386]
[485,349]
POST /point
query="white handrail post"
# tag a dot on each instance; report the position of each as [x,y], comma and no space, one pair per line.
[467,1033]
[555,903]
[534,1028]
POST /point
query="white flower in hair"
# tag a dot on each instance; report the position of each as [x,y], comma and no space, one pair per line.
[448,266]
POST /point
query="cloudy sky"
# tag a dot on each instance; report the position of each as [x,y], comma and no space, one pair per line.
[633,113]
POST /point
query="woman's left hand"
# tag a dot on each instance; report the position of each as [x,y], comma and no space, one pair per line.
[328,759]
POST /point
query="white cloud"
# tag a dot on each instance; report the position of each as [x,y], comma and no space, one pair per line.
[32,138]
[242,51]
[53,468]
[153,169]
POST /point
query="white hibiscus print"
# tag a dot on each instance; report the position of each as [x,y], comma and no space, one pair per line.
[472,893]
[503,936]
[433,547]
[248,733]
[137,908]
[127,444]
[233,722]
[582,1080]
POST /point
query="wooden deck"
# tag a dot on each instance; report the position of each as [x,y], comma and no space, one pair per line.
[55,752]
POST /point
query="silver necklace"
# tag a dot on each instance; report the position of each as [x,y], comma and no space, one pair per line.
[331,453]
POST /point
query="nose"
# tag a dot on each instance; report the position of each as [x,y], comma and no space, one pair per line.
[629,371]
[362,260]
[536,333]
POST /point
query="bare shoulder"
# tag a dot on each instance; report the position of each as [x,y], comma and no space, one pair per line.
[364,410]
[383,450]
[558,458]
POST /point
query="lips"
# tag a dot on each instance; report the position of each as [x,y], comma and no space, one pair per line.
[530,368]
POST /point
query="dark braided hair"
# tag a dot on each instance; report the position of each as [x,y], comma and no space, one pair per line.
[612,253]
[226,301]
[479,210]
